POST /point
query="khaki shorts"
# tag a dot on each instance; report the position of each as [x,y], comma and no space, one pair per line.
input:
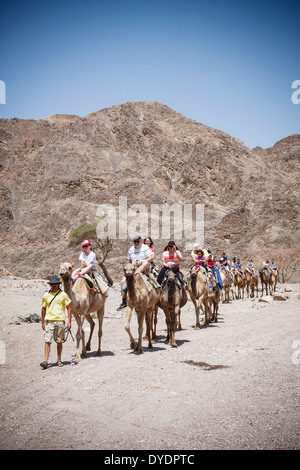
[49,331]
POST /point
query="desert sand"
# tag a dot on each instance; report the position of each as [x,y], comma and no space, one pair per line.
[231,385]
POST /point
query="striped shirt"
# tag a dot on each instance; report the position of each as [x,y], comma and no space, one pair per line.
[174,258]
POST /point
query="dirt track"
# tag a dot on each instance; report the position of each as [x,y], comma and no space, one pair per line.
[232,385]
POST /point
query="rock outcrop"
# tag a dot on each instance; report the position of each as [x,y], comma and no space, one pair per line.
[55,172]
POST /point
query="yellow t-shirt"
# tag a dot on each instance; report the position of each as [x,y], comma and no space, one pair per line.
[56,311]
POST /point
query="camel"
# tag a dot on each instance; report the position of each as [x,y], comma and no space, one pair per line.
[252,284]
[198,290]
[265,279]
[213,302]
[227,286]
[84,302]
[172,299]
[143,299]
[239,283]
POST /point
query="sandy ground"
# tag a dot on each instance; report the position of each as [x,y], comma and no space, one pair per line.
[232,385]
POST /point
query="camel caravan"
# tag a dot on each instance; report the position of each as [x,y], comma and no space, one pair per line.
[147,287]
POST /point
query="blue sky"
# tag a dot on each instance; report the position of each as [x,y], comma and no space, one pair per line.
[229,65]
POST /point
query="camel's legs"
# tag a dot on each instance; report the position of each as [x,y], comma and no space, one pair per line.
[141,318]
[100,315]
[196,305]
[154,319]
[178,322]
[92,325]
[79,337]
[206,312]
[133,343]
[149,315]
[173,315]
[167,318]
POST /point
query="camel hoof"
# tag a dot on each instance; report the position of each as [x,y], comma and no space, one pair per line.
[77,359]
[197,327]
[99,353]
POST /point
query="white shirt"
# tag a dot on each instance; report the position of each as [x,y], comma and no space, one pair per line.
[140,254]
[91,258]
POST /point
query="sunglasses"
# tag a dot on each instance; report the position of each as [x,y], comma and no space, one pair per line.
[137,241]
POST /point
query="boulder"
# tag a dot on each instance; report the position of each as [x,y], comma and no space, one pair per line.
[267,299]
[27,318]
[279,297]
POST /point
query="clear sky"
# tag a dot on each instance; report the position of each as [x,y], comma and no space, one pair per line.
[226,64]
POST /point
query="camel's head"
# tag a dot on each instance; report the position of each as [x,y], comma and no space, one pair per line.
[194,273]
[65,270]
[129,270]
[171,278]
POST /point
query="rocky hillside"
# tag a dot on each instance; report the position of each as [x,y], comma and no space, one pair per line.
[56,171]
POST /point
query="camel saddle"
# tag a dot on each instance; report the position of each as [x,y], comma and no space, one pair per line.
[208,279]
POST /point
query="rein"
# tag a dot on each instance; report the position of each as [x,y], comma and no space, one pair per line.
[67,330]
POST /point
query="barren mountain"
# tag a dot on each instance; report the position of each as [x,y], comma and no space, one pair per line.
[56,171]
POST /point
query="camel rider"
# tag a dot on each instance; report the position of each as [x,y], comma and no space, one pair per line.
[207,263]
[214,270]
[265,264]
[88,267]
[154,269]
[250,266]
[273,266]
[195,252]
[171,259]
[199,259]
[87,259]
[141,255]
[224,262]
[238,267]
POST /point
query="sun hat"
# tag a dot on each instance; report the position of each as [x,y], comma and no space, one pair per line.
[86,243]
[54,280]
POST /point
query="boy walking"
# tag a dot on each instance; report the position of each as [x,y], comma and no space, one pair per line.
[53,304]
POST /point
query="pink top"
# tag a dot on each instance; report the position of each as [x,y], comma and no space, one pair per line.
[171,257]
